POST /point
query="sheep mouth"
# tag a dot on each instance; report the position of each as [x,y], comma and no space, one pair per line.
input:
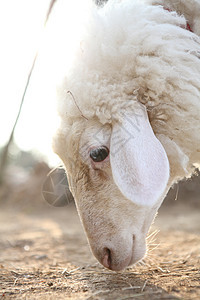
[109,263]
[108,260]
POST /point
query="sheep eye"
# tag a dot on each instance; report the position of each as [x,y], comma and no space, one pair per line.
[99,154]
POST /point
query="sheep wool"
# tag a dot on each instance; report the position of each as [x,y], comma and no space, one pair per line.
[137,51]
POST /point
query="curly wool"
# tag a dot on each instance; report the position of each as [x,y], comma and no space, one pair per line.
[133,51]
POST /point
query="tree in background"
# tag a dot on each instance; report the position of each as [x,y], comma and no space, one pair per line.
[5,151]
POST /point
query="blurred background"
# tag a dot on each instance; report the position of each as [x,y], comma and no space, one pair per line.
[31,64]
[25,142]
[22,27]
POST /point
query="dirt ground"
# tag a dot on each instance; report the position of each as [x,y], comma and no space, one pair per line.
[44,254]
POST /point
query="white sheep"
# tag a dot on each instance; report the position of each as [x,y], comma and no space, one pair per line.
[130,119]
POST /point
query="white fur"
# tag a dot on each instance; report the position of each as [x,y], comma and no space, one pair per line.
[132,53]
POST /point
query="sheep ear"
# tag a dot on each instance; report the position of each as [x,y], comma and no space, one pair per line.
[139,163]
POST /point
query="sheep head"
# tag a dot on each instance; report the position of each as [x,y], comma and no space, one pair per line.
[142,57]
[118,175]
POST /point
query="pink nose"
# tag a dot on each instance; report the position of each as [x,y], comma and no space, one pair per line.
[106,262]
[109,260]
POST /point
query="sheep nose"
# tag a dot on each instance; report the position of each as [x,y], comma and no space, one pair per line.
[106,261]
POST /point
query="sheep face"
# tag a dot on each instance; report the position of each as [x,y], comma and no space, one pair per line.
[117,168]
[118,183]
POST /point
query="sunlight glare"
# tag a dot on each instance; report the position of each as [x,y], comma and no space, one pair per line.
[23,34]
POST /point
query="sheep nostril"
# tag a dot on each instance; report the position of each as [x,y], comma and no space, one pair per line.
[107,258]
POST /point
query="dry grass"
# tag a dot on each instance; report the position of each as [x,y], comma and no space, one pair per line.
[42,258]
[44,253]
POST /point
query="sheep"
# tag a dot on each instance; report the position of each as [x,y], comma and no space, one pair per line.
[130,119]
